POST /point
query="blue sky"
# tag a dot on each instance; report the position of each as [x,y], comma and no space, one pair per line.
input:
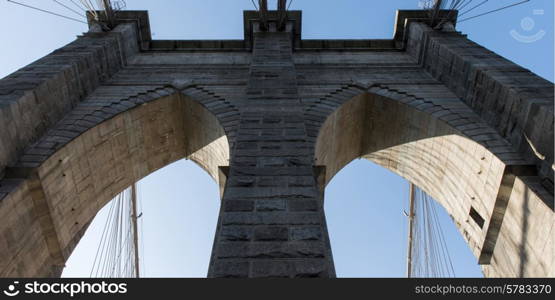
[364,203]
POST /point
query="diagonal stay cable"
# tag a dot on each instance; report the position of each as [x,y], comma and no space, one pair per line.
[46,11]
[449,265]
[472,8]
[495,10]
[68,8]
[102,238]
[464,4]
[108,244]
[256,7]
[79,6]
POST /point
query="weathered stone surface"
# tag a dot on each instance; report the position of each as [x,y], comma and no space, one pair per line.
[306,233]
[270,205]
[239,205]
[271,233]
[271,250]
[231,269]
[299,205]
[237,233]
[273,118]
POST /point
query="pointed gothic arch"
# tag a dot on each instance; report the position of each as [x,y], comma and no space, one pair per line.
[482,187]
[58,196]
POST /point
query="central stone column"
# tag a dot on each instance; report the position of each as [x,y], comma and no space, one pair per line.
[272,221]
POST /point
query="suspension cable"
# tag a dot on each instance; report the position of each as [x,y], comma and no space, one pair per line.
[46,11]
[430,253]
[117,253]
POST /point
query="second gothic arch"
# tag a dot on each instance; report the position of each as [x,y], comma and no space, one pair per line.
[469,179]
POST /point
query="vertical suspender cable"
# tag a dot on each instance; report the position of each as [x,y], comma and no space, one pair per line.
[109,12]
[263,11]
[135,227]
[411,230]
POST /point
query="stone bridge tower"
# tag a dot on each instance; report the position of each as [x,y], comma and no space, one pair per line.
[272,118]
